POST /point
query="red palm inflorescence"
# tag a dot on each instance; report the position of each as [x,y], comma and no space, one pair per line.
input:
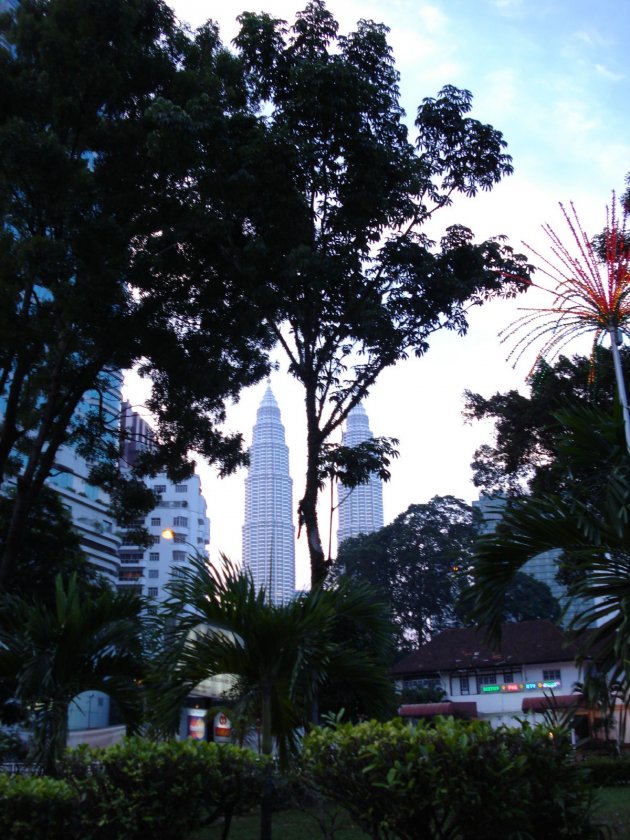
[591,293]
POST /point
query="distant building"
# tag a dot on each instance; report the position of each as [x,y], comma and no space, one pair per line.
[499,684]
[543,567]
[360,508]
[268,532]
[178,525]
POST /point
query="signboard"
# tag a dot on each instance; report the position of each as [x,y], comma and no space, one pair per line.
[196,724]
[510,688]
[222,729]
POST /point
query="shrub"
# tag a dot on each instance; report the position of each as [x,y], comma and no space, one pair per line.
[607,771]
[452,779]
[140,788]
[35,807]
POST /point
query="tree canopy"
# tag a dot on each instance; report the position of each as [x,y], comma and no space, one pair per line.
[528,429]
[359,284]
[421,565]
[124,236]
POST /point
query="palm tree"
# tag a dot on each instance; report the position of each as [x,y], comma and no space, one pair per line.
[590,524]
[281,656]
[85,641]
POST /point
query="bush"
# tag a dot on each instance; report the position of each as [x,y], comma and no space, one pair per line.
[452,779]
[34,807]
[607,771]
[140,788]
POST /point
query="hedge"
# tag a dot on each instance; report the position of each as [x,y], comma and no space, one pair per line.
[451,779]
[134,790]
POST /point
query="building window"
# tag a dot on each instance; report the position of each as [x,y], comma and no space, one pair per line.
[131,556]
[159,488]
[179,538]
[180,522]
[486,680]
[179,556]
[152,591]
[153,573]
[154,556]
[155,538]
[177,572]
[551,675]
[181,488]
[464,685]
[155,520]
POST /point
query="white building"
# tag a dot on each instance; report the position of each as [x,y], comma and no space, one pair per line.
[499,684]
[360,508]
[268,532]
[179,526]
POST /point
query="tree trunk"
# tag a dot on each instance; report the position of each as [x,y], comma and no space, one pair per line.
[308,505]
[266,799]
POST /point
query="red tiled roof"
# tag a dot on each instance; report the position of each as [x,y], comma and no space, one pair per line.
[464,648]
[464,710]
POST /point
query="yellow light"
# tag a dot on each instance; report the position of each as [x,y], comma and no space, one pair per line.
[168,534]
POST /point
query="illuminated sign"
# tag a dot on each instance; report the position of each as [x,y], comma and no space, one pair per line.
[490,689]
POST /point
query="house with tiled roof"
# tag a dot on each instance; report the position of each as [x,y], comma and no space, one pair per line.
[499,683]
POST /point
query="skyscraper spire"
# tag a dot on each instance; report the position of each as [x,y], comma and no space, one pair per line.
[268,532]
[361,508]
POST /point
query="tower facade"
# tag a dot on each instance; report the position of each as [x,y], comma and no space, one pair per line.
[268,532]
[361,508]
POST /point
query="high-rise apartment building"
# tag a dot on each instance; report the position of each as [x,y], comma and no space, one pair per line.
[178,526]
[268,532]
[360,508]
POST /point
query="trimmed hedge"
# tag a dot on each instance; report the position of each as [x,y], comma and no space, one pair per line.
[607,771]
[452,779]
[134,790]
[37,808]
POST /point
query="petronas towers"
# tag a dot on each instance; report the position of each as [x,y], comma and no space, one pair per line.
[268,532]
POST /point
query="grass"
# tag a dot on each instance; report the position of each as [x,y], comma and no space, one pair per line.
[613,810]
[287,825]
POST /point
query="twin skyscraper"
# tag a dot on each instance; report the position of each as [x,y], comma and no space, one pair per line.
[269,532]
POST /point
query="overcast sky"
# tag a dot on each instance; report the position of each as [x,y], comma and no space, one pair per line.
[552,75]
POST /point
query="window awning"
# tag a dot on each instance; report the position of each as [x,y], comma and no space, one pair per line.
[431,710]
[562,701]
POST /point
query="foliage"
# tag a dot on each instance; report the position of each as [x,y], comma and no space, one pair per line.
[124,238]
[607,771]
[49,546]
[51,653]
[527,428]
[528,599]
[590,526]
[37,807]
[453,779]
[165,789]
[282,655]
[361,286]
[419,564]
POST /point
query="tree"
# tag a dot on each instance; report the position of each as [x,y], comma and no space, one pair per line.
[528,599]
[419,564]
[50,654]
[527,429]
[360,285]
[49,547]
[281,655]
[125,238]
[589,524]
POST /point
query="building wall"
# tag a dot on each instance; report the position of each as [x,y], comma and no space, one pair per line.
[182,508]
[501,703]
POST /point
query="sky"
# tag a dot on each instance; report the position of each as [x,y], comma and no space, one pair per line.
[552,76]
